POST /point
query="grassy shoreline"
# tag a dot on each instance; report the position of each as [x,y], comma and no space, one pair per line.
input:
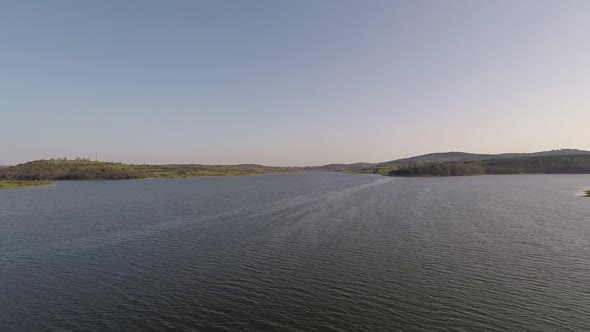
[9,184]
[587,193]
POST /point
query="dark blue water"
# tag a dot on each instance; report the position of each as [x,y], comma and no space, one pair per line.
[298,252]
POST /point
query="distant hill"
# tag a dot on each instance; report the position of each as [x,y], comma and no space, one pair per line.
[339,167]
[437,158]
[569,164]
[445,163]
[464,156]
[58,169]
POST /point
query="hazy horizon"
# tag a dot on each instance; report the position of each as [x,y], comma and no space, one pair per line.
[291,83]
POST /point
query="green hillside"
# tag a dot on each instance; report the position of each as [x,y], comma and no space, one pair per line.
[572,164]
[59,169]
[465,156]
[438,157]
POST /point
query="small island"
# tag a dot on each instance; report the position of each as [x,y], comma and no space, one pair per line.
[10,184]
[587,193]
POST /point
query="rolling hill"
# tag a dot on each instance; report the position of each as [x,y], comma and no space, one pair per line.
[339,167]
[57,169]
[464,156]
[569,164]
[445,163]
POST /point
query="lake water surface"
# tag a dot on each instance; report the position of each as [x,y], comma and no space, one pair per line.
[298,252]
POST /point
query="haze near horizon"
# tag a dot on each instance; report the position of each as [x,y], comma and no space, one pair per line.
[291,83]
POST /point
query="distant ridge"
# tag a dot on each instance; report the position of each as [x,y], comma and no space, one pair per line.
[440,157]
[339,167]
[552,164]
[465,156]
[84,169]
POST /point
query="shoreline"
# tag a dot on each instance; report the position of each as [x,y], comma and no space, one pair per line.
[11,185]
[16,184]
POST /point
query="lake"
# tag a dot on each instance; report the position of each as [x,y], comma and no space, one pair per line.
[298,252]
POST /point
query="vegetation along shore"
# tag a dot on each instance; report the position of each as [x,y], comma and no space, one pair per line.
[568,161]
[9,184]
[571,164]
[83,169]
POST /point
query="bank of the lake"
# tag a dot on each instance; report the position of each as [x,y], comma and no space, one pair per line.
[8,184]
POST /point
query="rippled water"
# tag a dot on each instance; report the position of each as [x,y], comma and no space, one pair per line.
[298,252]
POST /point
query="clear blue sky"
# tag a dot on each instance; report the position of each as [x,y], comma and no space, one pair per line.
[290,82]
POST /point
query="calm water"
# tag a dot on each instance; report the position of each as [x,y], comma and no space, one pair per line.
[298,252]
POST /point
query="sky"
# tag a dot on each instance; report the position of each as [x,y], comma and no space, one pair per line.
[290,82]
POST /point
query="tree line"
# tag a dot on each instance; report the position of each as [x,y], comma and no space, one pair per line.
[573,164]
